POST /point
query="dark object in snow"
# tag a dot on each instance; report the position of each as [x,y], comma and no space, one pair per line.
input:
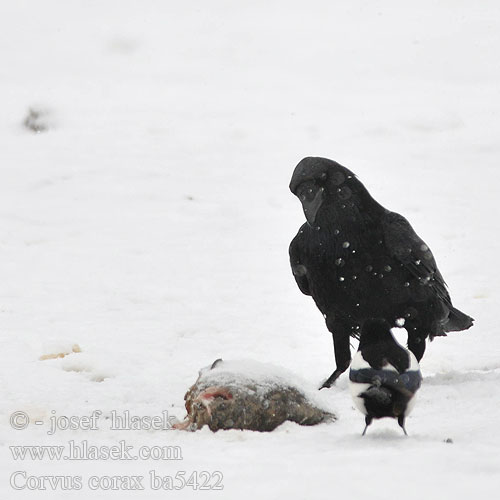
[36,120]
[231,395]
[358,260]
[384,376]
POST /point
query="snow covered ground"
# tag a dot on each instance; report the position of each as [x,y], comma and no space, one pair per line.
[150,225]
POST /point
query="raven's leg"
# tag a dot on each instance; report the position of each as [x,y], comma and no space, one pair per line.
[401,422]
[342,347]
[416,343]
[368,421]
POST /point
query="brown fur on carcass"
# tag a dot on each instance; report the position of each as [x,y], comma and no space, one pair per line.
[246,404]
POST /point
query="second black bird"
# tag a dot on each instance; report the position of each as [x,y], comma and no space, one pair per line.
[358,260]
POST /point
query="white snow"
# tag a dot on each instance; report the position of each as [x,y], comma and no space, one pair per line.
[264,377]
[150,225]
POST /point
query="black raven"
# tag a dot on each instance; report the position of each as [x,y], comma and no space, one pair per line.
[358,260]
[384,376]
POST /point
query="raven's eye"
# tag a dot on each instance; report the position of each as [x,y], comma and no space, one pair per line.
[308,190]
[344,193]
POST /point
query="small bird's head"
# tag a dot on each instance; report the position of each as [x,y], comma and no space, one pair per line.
[319,181]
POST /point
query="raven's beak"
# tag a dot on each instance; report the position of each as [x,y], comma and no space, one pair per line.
[311,206]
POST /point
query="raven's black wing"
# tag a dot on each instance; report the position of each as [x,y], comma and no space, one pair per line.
[298,269]
[405,245]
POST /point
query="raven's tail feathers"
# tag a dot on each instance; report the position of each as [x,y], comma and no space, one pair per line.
[457,321]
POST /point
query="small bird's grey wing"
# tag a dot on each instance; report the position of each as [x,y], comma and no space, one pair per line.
[298,269]
[406,246]
[412,380]
[406,383]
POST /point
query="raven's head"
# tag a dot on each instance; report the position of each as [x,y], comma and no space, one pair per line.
[318,180]
[330,192]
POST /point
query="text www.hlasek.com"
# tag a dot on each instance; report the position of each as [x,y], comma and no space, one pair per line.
[81,451]
[86,451]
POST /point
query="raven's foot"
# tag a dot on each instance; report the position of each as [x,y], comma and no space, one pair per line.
[331,379]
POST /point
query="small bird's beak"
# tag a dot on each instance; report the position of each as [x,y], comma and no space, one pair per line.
[311,206]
